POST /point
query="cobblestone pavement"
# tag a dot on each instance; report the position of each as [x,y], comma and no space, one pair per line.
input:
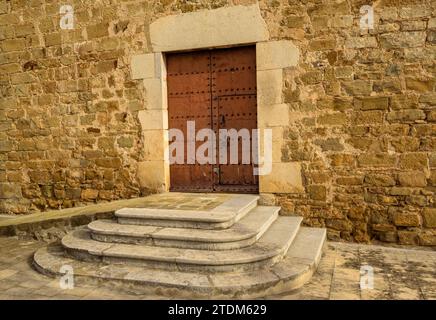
[398,274]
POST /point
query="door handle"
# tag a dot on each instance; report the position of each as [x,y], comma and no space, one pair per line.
[216,170]
[222,120]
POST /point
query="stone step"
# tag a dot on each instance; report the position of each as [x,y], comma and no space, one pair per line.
[243,233]
[290,273]
[269,249]
[221,217]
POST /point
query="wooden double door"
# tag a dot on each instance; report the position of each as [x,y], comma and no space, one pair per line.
[213,89]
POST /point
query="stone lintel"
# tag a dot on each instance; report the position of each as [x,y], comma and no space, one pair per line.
[209,28]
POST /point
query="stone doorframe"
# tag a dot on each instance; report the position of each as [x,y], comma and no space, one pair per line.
[224,27]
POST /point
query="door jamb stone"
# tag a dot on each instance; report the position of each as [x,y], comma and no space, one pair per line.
[272,56]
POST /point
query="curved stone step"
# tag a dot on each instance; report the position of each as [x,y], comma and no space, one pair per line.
[221,217]
[290,273]
[267,250]
[243,233]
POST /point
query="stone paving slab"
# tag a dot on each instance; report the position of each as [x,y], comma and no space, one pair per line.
[398,274]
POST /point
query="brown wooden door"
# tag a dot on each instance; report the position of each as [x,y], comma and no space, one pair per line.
[216,89]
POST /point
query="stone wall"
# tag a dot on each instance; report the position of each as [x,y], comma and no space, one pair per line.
[361,108]
[363,112]
[68,108]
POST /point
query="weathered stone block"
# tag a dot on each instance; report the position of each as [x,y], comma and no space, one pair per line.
[153,119]
[10,68]
[383,227]
[391,236]
[427,239]
[368,117]
[26,145]
[330,144]
[357,87]
[9,191]
[339,160]
[156,96]
[267,199]
[106,143]
[400,191]
[109,162]
[408,237]
[269,87]
[317,192]
[273,116]
[284,178]
[40,176]
[144,66]
[320,22]
[414,11]
[341,225]
[296,21]
[155,142]
[404,219]
[331,8]
[92,154]
[9,19]
[333,119]
[372,103]
[367,144]
[312,77]
[346,73]
[20,78]
[108,44]
[361,42]
[358,212]
[420,85]
[125,142]
[89,194]
[428,98]
[53,39]
[403,39]
[413,25]
[405,144]
[377,160]
[98,30]
[153,175]
[417,161]
[6,145]
[105,66]
[136,105]
[345,21]
[209,28]
[349,181]
[276,55]
[412,179]
[407,115]
[13,45]
[322,44]
[379,180]
[429,216]
[431,116]
[73,193]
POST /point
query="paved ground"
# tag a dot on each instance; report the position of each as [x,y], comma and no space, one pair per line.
[398,274]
